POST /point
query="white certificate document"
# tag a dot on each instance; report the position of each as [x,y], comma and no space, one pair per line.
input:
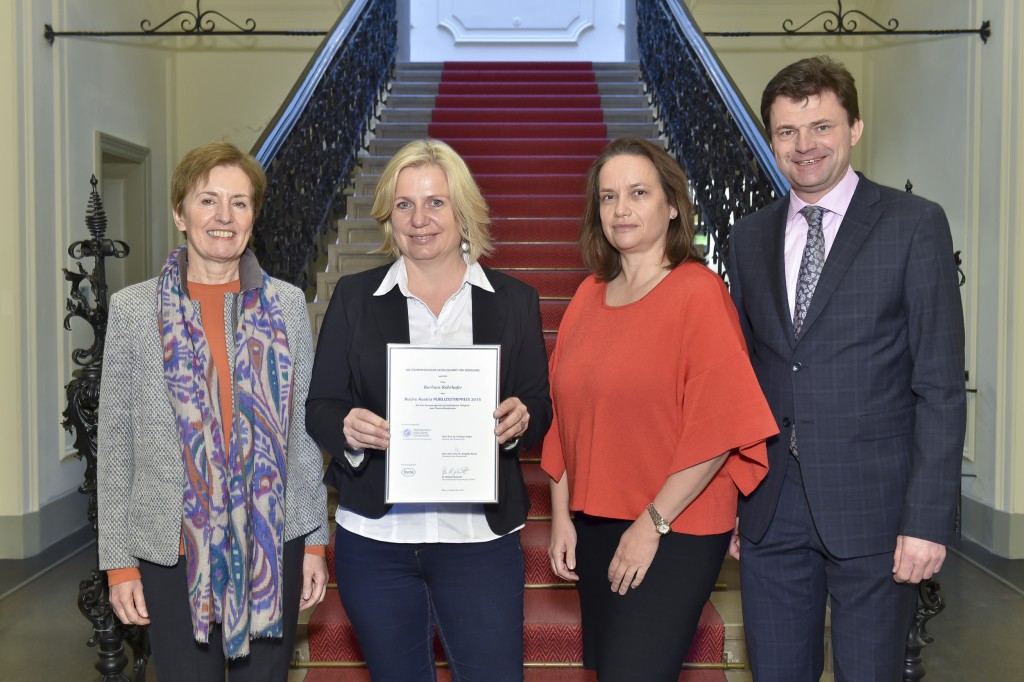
[441,402]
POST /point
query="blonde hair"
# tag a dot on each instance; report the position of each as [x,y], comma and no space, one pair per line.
[471,214]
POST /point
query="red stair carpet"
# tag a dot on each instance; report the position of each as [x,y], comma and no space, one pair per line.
[528,131]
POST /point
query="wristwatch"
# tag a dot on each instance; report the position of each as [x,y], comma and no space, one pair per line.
[660,524]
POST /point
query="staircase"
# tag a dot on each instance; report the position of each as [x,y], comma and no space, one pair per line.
[528,132]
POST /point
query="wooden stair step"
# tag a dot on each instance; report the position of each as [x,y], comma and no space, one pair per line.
[517,130]
[554,282]
[562,255]
[535,230]
[534,538]
[539,490]
[524,115]
[510,162]
[531,183]
[536,205]
[530,674]
[551,633]
[532,205]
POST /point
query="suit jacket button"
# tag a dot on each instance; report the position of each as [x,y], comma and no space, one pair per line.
[797,366]
[786,422]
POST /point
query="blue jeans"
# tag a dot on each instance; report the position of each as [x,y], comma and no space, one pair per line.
[396,594]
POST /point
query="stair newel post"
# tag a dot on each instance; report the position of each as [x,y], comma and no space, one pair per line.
[918,638]
[88,301]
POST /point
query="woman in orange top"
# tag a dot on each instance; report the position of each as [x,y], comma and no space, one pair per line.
[659,421]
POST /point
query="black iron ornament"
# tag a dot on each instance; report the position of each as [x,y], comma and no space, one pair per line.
[840,22]
[88,301]
[200,22]
[931,604]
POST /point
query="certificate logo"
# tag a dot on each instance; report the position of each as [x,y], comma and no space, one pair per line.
[408,472]
[407,432]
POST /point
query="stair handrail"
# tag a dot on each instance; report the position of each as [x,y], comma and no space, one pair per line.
[709,126]
[311,145]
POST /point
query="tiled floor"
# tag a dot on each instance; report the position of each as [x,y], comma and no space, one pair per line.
[977,637]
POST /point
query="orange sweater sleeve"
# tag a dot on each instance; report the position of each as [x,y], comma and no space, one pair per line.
[116,576]
[724,409]
[552,460]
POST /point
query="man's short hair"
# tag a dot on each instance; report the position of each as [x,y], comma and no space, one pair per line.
[807,77]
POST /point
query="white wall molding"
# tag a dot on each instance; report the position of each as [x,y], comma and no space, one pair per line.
[529,21]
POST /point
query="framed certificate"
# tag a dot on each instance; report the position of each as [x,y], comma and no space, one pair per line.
[441,402]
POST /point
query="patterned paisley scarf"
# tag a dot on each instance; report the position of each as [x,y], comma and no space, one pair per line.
[234,503]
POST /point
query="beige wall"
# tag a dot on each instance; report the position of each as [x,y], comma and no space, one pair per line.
[11,485]
[229,88]
[944,112]
[166,95]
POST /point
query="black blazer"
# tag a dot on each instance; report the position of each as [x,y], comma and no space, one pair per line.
[875,383]
[350,371]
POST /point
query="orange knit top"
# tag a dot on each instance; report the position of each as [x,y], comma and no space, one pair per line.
[644,390]
[211,302]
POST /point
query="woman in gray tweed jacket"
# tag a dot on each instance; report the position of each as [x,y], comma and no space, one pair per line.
[212,515]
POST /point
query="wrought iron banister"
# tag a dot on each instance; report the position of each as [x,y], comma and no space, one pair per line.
[710,128]
[311,146]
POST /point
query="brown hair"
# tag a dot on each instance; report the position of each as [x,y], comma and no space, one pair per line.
[194,170]
[807,77]
[471,214]
[597,252]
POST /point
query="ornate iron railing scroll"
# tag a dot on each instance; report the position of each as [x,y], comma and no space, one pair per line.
[311,146]
[182,23]
[840,22]
[709,126]
[88,301]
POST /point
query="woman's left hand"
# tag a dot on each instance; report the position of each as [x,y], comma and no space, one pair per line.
[634,555]
[314,580]
[513,418]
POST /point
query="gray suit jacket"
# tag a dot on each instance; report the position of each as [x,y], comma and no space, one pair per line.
[874,385]
[140,472]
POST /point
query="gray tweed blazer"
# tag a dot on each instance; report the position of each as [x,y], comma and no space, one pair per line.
[140,473]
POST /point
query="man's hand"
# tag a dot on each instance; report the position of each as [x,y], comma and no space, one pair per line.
[916,559]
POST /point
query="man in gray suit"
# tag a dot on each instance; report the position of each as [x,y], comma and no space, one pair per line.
[847,294]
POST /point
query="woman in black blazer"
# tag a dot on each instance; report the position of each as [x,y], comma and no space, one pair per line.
[406,569]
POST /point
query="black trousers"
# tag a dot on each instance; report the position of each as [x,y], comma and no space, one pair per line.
[179,658]
[646,633]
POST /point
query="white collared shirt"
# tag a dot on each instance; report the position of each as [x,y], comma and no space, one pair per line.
[414,523]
